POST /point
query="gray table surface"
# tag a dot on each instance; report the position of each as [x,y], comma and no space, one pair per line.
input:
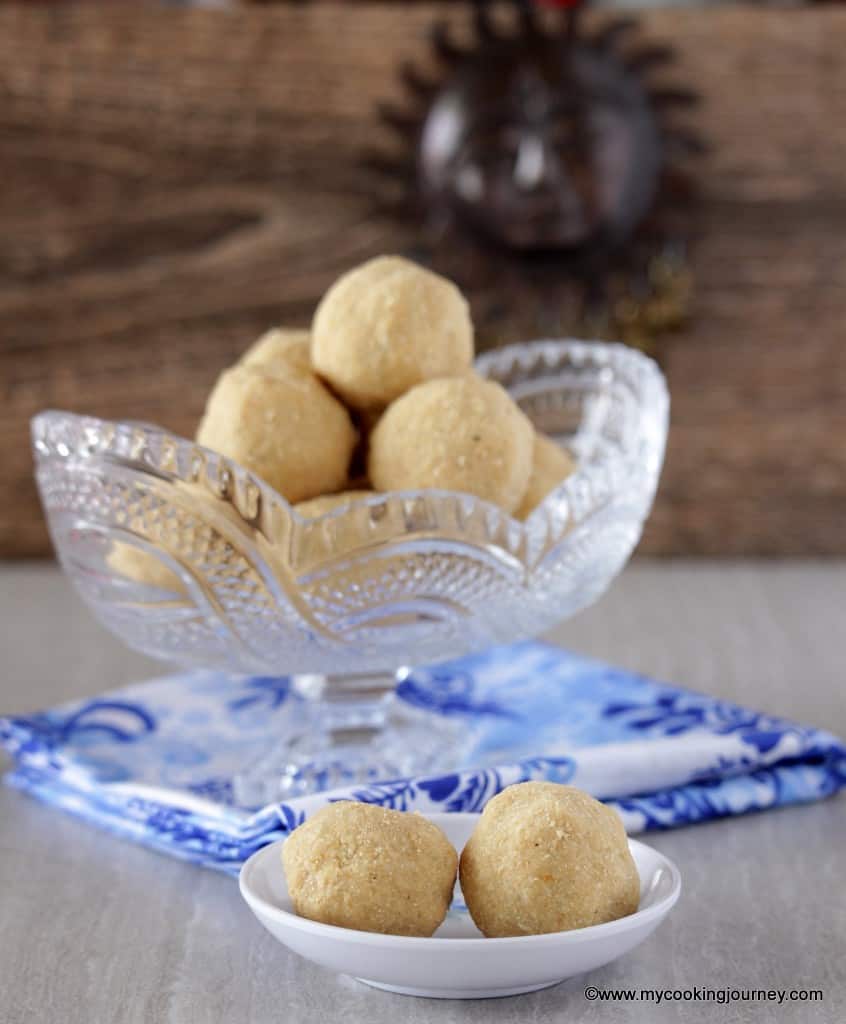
[94,929]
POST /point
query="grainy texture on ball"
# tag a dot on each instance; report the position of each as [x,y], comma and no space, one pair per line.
[360,866]
[547,858]
[551,464]
[287,429]
[458,434]
[386,326]
[280,350]
[328,502]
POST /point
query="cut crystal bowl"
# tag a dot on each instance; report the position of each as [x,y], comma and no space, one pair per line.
[190,558]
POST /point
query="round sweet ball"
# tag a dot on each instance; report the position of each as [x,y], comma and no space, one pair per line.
[547,858]
[386,326]
[287,429]
[457,434]
[328,503]
[551,465]
[360,866]
[280,350]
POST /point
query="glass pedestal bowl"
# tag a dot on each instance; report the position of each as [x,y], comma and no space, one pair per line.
[190,558]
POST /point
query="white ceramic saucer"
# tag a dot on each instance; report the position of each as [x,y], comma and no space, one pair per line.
[458,962]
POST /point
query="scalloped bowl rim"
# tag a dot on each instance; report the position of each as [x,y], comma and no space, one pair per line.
[521,351]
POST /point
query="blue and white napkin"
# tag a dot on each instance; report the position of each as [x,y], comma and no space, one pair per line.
[155,761]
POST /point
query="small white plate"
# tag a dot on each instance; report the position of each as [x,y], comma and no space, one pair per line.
[458,962]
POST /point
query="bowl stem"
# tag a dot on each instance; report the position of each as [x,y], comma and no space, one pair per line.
[346,730]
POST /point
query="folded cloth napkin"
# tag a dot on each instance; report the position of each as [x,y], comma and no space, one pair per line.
[155,762]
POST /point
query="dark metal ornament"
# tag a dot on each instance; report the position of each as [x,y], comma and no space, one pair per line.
[542,144]
[543,155]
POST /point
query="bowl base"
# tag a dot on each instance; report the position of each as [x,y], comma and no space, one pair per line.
[460,993]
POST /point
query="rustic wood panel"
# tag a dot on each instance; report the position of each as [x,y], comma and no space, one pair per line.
[174,181]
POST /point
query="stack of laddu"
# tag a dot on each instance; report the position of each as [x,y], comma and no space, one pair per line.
[384,379]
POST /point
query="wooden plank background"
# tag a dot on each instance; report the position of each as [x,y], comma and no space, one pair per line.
[172,182]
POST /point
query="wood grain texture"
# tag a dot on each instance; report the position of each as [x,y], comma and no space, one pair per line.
[96,929]
[175,181]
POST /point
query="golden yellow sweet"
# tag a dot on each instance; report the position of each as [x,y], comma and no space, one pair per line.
[142,567]
[551,464]
[328,503]
[547,858]
[359,866]
[280,350]
[200,530]
[386,326]
[458,434]
[286,428]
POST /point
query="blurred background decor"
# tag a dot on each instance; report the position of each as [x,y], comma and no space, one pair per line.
[175,181]
[540,159]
